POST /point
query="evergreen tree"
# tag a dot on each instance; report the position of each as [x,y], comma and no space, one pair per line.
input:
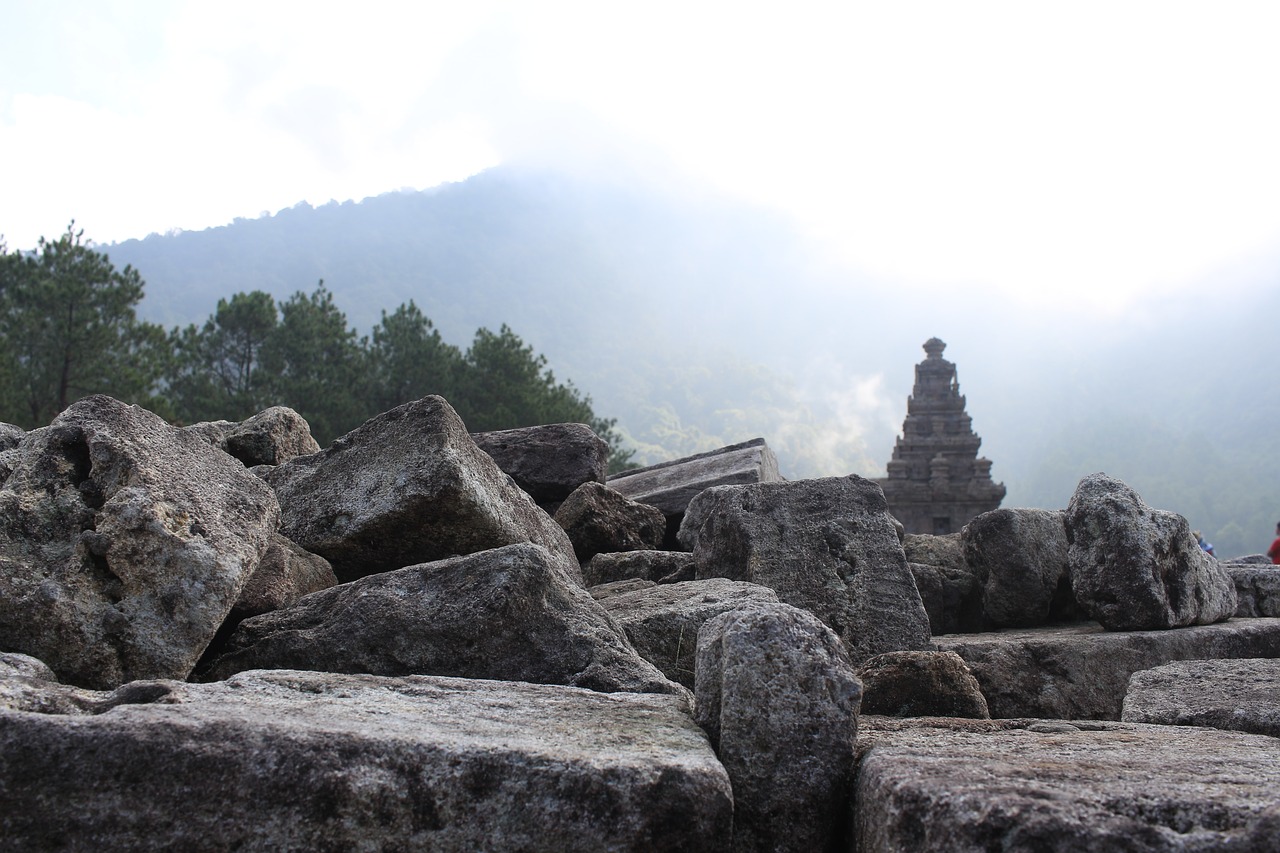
[216,370]
[409,360]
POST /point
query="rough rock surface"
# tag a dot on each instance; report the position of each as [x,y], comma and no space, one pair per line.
[946,550]
[607,590]
[662,622]
[408,486]
[777,694]
[271,437]
[299,761]
[921,684]
[285,574]
[951,597]
[1241,695]
[968,786]
[657,566]
[550,461]
[1257,588]
[123,544]
[1020,559]
[1135,568]
[828,546]
[670,486]
[599,520]
[11,436]
[1081,671]
[508,614]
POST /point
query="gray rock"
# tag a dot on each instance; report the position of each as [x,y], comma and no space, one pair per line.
[286,573]
[599,520]
[944,551]
[779,699]
[828,546]
[600,592]
[657,566]
[662,622]
[550,461]
[16,665]
[1257,588]
[1239,695]
[671,486]
[271,437]
[968,786]
[1020,559]
[212,432]
[407,487]
[1135,568]
[921,684]
[951,597]
[123,544]
[1249,558]
[508,614]
[11,436]
[1081,671]
[300,761]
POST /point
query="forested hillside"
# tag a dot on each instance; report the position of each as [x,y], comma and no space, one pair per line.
[696,322]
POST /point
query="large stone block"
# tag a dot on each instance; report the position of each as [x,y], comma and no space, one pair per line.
[1135,568]
[1020,559]
[921,684]
[777,694]
[657,566]
[599,520]
[304,761]
[1240,695]
[124,543]
[549,461]
[969,786]
[828,546]
[507,614]
[407,487]
[1257,588]
[1081,671]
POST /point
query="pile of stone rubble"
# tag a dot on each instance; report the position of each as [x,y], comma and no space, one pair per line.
[223,637]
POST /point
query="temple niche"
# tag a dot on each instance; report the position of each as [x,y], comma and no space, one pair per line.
[936,481]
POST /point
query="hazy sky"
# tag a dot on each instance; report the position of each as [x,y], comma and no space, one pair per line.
[1113,149]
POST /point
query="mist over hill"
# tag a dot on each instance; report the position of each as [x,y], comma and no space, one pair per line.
[697,322]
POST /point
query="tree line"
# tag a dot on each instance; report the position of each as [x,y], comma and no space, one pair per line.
[69,327]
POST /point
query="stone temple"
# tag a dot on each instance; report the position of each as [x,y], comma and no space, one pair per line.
[936,481]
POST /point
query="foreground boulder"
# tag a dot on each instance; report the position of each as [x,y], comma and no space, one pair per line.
[777,694]
[507,614]
[662,622]
[598,519]
[828,546]
[124,544]
[1135,568]
[1081,671]
[670,486]
[969,786]
[301,761]
[1020,559]
[1241,695]
[407,487]
[921,684]
[549,461]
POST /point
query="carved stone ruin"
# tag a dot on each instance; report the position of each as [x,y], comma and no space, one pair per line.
[936,481]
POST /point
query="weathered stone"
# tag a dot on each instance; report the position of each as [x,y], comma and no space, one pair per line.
[657,566]
[213,432]
[550,461]
[1081,671]
[599,520]
[920,684]
[828,546]
[1135,568]
[271,437]
[1249,558]
[507,614]
[946,550]
[301,761]
[1239,695]
[951,597]
[969,786]
[1257,588]
[1020,559]
[662,622]
[124,544]
[777,694]
[11,436]
[286,573]
[407,487]
[607,590]
[671,486]
[936,480]
[17,665]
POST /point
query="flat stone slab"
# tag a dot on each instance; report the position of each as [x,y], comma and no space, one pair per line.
[287,760]
[1081,671]
[1239,695]
[971,786]
[671,485]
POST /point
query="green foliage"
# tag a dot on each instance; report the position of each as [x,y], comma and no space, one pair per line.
[409,360]
[69,328]
[216,370]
